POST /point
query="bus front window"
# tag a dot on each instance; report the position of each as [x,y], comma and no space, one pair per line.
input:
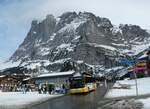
[77,84]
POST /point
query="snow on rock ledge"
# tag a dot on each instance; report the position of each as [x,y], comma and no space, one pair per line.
[10,64]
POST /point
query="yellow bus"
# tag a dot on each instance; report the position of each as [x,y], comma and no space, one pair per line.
[82,84]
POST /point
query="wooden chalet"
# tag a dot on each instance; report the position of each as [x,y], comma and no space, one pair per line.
[11,79]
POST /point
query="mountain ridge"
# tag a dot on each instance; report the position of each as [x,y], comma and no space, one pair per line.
[78,37]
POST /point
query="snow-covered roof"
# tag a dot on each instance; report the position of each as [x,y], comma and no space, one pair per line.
[77,74]
[57,74]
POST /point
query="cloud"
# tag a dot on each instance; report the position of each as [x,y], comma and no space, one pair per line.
[16,15]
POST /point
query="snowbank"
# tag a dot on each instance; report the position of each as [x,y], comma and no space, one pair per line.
[143,88]
[146,103]
[18,99]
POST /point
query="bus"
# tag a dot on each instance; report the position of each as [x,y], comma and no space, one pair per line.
[82,84]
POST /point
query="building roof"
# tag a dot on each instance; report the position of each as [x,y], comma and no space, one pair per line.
[56,74]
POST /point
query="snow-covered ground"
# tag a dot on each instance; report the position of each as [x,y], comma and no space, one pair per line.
[19,99]
[146,103]
[143,88]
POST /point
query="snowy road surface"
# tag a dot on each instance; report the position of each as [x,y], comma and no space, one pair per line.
[84,101]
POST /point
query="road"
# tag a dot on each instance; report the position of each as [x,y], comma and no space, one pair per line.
[86,101]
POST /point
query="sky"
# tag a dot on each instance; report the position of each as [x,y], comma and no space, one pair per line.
[16,16]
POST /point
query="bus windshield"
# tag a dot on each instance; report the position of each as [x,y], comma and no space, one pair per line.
[89,80]
[76,83]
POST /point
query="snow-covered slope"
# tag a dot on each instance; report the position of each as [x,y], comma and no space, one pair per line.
[10,64]
[132,38]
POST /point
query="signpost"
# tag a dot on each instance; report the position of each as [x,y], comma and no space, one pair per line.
[136,81]
[134,71]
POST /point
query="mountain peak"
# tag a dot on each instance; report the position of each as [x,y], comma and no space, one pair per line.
[77,36]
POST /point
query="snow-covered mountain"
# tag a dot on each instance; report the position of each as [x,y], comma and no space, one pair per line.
[76,38]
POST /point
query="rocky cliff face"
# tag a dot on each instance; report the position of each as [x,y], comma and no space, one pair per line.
[80,37]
